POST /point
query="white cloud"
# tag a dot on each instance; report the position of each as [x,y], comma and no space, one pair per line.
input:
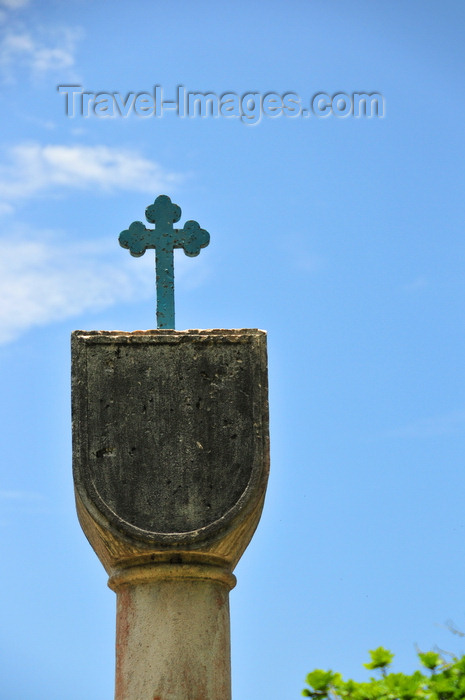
[416,284]
[38,53]
[19,495]
[7,5]
[5,208]
[43,281]
[309,262]
[436,426]
[33,169]
[16,502]
[14,4]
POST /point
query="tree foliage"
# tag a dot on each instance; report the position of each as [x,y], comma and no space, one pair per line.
[438,680]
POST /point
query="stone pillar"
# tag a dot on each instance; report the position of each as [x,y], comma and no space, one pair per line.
[170,463]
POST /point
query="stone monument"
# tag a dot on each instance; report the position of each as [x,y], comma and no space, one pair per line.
[170,464]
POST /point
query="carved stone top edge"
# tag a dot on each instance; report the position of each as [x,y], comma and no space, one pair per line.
[161,332]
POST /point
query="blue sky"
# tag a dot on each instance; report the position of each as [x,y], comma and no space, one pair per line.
[342,237]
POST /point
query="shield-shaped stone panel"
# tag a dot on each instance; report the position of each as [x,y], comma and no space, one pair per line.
[170,430]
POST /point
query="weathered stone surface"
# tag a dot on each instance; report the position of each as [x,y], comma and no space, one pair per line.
[173,641]
[170,430]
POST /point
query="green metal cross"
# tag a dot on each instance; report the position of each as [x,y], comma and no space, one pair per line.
[164,238]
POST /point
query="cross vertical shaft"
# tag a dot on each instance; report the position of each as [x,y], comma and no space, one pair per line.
[164,269]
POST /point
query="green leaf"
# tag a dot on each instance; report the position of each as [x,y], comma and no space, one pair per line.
[380,658]
[398,685]
[430,659]
[319,680]
[447,682]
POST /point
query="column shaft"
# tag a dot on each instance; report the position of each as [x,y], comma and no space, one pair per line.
[173,641]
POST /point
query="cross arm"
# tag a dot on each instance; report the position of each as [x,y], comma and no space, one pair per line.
[137,239]
[191,238]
